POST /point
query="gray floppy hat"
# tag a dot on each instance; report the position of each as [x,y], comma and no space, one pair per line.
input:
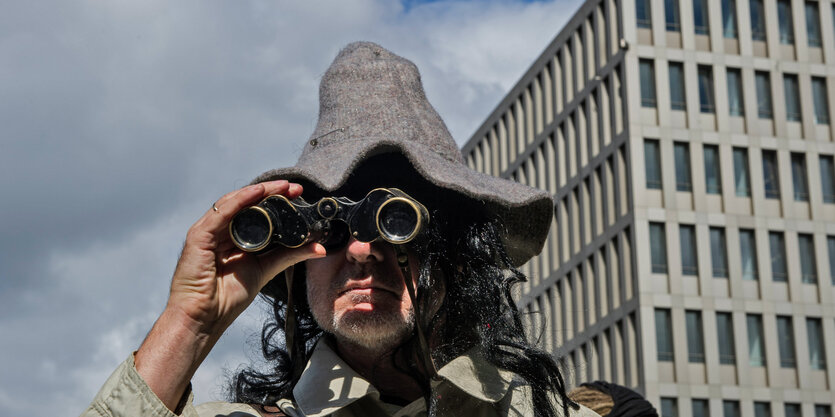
[371,102]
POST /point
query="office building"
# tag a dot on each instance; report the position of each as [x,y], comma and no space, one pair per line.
[689,148]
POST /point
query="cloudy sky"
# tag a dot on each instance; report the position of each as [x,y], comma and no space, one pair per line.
[122,121]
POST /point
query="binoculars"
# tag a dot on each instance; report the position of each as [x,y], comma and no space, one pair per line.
[386,213]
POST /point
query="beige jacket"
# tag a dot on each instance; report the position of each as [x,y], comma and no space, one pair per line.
[470,386]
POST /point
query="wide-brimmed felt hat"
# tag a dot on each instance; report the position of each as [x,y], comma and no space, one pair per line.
[371,102]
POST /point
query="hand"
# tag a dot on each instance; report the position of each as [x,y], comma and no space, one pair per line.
[213,283]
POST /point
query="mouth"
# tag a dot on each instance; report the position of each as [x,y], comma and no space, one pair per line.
[366,287]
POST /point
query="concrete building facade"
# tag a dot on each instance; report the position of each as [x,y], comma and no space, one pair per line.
[689,147]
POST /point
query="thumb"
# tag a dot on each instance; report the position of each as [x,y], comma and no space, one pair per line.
[273,264]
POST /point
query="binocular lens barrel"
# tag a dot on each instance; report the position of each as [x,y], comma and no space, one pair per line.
[251,228]
[398,220]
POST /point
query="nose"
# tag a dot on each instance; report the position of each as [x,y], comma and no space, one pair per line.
[363,252]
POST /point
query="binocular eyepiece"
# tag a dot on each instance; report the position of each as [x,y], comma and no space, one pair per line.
[386,213]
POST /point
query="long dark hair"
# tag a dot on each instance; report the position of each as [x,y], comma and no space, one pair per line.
[477,312]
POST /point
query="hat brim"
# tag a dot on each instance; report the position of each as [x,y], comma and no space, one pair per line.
[525,212]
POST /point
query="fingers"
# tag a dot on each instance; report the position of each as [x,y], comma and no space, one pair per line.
[217,220]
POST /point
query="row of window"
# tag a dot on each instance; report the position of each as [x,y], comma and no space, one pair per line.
[701,24]
[747,253]
[725,338]
[730,408]
[736,107]
[741,176]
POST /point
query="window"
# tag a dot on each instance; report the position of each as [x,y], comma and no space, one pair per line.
[827,178]
[669,408]
[742,184]
[784,17]
[763,95]
[771,178]
[830,249]
[736,105]
[671,15]
[700,408]
[658,248]
[682,159]
[756,344]
[730,408]
[647,83]
[695,338]
[813,27]
[808,266]
[689,260]
[706,103]
[643,14]
[820,100]
[725,331]
[664,334]
[652,161]
[677,96]
[785,341]
[757,10]
[817,353]
[700,19]
[792,93]
[748,252]
[801,185]
[823,410]
[762,409]
[792,410]
[713,177]
[729,19]
[778,256]
[718,252]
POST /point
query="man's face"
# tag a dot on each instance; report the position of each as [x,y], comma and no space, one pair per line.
[358,294]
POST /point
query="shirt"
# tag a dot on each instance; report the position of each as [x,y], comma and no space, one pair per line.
[469,386]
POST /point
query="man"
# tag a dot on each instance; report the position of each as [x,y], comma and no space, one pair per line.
[362,329]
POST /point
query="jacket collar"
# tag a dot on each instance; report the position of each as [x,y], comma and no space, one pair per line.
[329,384]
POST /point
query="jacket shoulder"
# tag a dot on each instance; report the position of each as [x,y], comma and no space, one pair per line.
[224,409]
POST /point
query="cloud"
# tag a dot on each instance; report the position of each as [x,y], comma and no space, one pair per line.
[121,122]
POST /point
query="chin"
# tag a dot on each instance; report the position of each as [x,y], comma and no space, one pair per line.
[377,331]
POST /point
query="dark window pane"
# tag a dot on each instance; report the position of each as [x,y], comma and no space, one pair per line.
[756,343]
[778,256]
[730,408]
[748,254]
[725,331]
[643,14]
[792,93]
[664,335]
[647,83]
[792,410]
[813,27]
[764,109]
[823,410]
[808,267]
[827,178]
[652,160]
[801,186]
[677,96]
[695,338]
[830,250]
[689,259]
[718,251]
[771,178]
[713,177]
[658,248]
[817,353]
[736,105]
[682,159]
[757,10]
[819,96]
[785,341]
[671,15]
[784,18]
[706,102]
[700,19]
[742,184]
[729,18]
[762,409]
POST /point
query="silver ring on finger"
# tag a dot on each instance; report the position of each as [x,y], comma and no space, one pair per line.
[214,207]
